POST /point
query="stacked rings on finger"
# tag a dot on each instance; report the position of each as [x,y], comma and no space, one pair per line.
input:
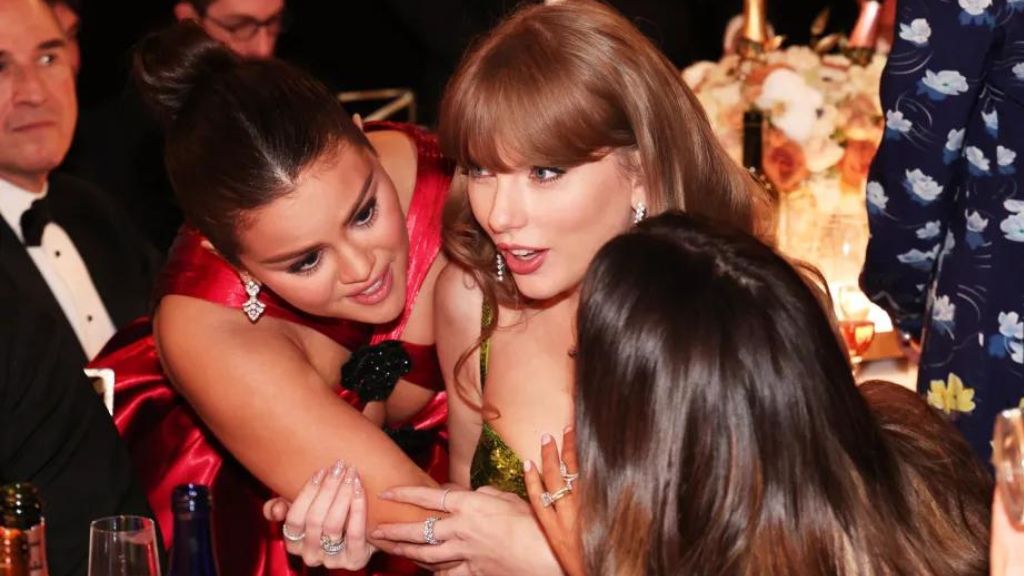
[330,546]
[569,478]
[547,498]
[428,530]
[292,537]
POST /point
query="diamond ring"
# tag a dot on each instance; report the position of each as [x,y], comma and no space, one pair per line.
[428,530]
[292,537]
[332,547]
[548,498]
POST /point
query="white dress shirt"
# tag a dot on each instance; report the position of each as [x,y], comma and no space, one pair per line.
[62,268]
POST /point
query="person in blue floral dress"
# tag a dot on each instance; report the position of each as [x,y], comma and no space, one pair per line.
[946,204]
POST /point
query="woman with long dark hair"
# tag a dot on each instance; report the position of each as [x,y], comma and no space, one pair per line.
[288,327]
[719,429]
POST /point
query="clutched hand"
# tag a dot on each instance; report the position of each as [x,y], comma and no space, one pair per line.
[326,524]
[553,501]
[485,531]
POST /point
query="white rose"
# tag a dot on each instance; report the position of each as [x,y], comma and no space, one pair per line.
[977,158]
[1010,325]
[918,32]
[943,310]
[975,223]
[949,82]
[793,104]
[975,7]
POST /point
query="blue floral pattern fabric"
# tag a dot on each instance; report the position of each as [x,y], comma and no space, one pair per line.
[946,205]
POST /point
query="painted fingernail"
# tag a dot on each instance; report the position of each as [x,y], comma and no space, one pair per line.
[351,475]
[338,468]
[567,429]
[546,439]
[377,534]
[358,487]
[386,495]
[318,476]
[528,465]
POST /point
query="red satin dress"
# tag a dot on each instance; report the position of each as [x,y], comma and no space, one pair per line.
[170,445]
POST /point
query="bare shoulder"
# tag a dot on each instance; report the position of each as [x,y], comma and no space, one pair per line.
[457,301]
[398,157]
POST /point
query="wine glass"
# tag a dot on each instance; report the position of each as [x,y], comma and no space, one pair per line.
[1008,460]
[123,546]
[853,308]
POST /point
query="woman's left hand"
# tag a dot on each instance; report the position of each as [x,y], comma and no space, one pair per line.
[553,501]
[326,524]
[488,531]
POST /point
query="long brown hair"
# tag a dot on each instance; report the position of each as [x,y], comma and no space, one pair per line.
[560,85]
[720,430]
[239,132]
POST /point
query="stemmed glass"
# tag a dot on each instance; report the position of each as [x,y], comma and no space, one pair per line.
[857,329]
[123,546]
[1008,460]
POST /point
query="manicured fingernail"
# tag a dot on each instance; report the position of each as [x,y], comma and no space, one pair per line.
[317,477]
[358,487]
[377,534]
[546,439]
[351,475]
[567,429]
[528,465]
[337,469]
[386,495]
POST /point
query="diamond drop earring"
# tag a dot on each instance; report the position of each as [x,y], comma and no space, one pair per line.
[253,308]
[639,212]
[499,267]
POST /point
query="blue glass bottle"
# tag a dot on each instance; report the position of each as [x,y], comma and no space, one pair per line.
[192,553]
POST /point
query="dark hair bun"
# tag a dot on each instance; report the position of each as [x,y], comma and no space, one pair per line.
[171,65]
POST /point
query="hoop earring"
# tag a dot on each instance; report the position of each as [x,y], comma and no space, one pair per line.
[499,267]
[639,212]
[252,307]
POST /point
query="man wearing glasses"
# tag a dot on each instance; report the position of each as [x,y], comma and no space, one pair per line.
[249,27]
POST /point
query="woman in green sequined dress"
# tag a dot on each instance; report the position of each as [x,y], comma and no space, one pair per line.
[568,126]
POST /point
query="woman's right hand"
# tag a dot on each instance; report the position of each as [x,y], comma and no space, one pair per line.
[326,524]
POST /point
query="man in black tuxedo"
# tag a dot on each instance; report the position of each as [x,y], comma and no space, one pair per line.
[56,434]
[64,246]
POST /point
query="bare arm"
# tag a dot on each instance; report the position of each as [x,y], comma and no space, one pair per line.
[257,390]
[457,308]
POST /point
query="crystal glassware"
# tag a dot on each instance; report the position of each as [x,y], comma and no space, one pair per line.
[123,546]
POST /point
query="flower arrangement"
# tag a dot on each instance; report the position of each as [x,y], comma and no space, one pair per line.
[824,117]
[824,124]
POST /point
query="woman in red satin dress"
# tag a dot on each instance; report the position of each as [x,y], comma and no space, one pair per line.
[310,244]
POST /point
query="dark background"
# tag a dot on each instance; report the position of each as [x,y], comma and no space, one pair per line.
[360,44]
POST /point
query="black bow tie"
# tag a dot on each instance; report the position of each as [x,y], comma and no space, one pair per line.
[34,220]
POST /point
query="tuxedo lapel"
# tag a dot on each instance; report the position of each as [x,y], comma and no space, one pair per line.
[84,216]
[19,275]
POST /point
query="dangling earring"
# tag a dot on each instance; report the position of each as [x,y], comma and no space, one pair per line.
[639,212]
[499,267]
[253,308]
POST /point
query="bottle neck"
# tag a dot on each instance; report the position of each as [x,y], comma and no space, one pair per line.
[192,553]
[753,126]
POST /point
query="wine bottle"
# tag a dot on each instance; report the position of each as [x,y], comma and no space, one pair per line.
[861,45]
[753,40]
[192,553]
[23,532]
